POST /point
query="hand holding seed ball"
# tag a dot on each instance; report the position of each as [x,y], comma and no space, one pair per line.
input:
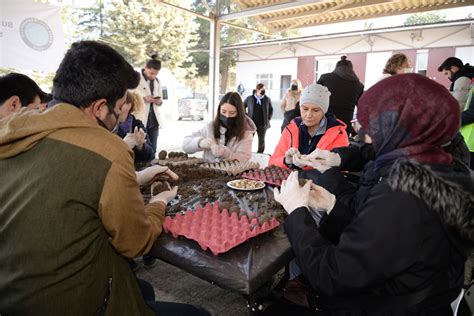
[154,173]
[164,196]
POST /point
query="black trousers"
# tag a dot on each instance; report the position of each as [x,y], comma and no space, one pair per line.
[168,308]
[152,133]
[261,131]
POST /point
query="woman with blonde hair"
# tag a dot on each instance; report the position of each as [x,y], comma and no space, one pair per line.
[132,130]
[290,103]
[397,64]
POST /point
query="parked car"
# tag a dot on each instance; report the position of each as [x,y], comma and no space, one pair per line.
[193,106]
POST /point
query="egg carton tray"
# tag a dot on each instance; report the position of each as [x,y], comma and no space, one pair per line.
[272,175]
[176,161]
[214,229]
[231,167]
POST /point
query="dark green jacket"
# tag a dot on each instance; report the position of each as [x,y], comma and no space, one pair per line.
[70,212]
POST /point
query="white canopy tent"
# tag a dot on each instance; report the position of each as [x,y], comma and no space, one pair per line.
[280,15]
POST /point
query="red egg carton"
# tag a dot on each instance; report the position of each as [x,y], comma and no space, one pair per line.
[272,175]
[214,229]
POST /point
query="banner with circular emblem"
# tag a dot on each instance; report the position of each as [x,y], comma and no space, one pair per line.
[31,35]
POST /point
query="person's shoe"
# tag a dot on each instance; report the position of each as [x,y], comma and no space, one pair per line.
[149,261]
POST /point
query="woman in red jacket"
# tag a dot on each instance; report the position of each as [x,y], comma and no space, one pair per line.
[314,129]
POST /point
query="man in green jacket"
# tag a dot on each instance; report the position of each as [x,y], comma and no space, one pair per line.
[71,209]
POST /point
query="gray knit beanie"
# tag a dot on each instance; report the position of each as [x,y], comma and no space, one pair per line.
[316,94]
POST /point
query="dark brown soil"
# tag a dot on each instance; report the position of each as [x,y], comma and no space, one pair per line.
[199,186]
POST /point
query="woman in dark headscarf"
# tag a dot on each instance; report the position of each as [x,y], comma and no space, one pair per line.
[396,244]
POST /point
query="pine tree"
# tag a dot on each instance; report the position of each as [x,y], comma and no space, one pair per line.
[139,29]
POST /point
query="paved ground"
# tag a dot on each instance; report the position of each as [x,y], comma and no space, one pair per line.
[174,285]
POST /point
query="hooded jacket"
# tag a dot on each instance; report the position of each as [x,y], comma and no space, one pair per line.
[235,149]
[345,90]
[461,83]
[401,252]
[71,211]
[335,136]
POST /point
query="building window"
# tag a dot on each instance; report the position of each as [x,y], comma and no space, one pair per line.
[325,65]
[266,79]
[421,62]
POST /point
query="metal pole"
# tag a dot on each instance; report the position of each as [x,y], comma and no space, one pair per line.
[214,58]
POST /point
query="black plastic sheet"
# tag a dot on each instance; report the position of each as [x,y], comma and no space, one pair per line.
[243,269]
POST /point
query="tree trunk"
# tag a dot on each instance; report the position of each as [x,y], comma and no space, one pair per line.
[225,72]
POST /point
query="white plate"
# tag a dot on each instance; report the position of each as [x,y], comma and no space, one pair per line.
[251,185]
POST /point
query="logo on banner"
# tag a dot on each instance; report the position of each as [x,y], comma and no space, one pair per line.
[36,34]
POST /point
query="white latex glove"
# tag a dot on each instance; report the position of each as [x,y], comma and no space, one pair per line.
[355,125]
[140,137]
[149,174]
[291,195]
[299,161]
[321,199]
[323,160]
[130,140]
[289,155]
[165,196]
[206,143]
[220,151]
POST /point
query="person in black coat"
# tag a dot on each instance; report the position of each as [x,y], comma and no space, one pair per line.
[396,243]
[259,109]
[345,89]
[132,129]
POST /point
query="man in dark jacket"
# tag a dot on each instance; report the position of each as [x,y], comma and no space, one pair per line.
[388,246]
[460,76]
[345,89]
[260,110]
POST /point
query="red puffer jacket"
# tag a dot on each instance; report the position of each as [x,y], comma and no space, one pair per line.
[335,136]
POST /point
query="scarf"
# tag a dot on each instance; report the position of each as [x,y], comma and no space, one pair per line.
[127,125]
[409,116]
[259,98]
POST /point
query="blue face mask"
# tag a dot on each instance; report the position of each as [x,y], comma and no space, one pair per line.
[227,122]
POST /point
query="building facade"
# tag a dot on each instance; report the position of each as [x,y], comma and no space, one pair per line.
[275,63]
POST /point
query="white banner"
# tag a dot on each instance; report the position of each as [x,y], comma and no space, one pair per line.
[31,35]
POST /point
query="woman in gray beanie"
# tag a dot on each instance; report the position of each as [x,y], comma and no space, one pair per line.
[314,129]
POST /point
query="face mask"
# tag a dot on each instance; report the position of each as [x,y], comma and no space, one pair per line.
[407,70]
[227,122]
[117,122]
[294,87]
[262,92]
[116,128]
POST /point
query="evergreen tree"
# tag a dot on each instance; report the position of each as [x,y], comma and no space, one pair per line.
[424,18]
[141,28]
